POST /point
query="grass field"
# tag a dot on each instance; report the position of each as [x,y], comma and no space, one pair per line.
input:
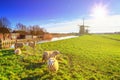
[89,57]
[113,36]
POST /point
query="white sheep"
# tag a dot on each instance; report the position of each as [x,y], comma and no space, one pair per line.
[18,45]
[32,44]
[47,54]
[17,51]
[52,64]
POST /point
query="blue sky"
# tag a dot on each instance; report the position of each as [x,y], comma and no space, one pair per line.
[55,15]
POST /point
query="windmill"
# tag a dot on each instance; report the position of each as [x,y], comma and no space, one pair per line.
[83,29]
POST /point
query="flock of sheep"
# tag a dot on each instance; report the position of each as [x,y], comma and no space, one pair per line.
[48,56]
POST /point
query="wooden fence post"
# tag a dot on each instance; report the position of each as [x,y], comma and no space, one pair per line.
[0,44]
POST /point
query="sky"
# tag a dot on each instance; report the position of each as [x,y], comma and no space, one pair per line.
[64,15]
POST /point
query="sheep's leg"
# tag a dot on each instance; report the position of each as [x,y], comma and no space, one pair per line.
[42,60]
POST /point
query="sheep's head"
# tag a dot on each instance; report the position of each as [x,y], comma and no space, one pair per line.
[51,61]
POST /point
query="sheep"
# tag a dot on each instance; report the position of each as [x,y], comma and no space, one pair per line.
[18,45]
[17,51]
[32,44]
[48,54]
[52,64]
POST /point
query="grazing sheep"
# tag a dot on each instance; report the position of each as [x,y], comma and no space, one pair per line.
[18,45]
[32,44]
[52,64]
[48,54]
[17,51]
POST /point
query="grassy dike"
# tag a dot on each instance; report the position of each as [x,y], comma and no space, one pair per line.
[89,57]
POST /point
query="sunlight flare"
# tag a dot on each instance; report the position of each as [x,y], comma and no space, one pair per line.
[99,11]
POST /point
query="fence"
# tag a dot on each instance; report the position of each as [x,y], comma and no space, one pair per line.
[8,43]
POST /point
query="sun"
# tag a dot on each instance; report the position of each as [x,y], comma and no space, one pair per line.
[99,11]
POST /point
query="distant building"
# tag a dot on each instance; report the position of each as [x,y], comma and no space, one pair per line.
[14,35]
[86,31]
[28,37]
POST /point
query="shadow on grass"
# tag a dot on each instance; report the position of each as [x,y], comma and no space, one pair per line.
[37,74]
[44,76]
[37,77]
[33,66]
[31,78]
[7,52]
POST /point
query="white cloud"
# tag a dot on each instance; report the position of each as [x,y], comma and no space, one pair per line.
[107,24]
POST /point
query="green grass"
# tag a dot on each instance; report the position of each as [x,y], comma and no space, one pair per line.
[89,57]
[113,36]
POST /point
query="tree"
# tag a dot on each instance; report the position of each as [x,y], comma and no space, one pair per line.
[32,30]
[36,30]
[4,26]
[21,27]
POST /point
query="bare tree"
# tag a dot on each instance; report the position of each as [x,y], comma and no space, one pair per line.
[32,30]
[4,26]
[21,27]
[36,30]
